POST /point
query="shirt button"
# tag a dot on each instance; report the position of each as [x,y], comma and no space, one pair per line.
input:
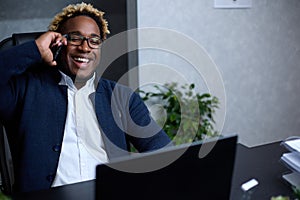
[56,148]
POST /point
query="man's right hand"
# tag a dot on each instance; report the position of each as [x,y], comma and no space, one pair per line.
[45,42]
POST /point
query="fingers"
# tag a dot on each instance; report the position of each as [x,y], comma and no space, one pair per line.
[59,40]
[46,42]
[53,63]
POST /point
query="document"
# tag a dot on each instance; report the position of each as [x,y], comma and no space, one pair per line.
[292,145]
[292,178]
[292,159]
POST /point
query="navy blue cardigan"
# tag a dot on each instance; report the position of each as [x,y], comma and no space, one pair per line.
[33,108]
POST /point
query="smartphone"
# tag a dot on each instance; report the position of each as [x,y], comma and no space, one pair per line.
[56,51]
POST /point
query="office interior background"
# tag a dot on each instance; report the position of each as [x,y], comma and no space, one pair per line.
[256,50]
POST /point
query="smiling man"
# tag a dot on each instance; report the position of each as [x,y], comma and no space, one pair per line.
[61,118]
[85,30]
[82,56]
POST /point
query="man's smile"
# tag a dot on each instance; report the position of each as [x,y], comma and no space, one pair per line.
[81,59]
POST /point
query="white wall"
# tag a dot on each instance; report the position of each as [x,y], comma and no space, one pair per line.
[257,51]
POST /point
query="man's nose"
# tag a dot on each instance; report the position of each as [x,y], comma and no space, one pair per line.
[85,46]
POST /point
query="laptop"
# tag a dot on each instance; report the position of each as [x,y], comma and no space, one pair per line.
[200,170]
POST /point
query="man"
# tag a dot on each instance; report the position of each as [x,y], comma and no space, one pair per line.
[61,118]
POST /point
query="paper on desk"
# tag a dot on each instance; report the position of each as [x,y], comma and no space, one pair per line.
[292,159]
[293,145]
[292,178]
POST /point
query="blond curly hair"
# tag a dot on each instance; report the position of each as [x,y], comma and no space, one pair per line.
[74,10]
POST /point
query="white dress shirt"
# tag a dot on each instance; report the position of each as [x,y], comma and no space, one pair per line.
[82,147]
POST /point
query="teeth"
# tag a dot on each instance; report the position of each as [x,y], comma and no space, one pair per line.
[85,60]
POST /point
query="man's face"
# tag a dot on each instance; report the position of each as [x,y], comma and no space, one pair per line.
[81,61]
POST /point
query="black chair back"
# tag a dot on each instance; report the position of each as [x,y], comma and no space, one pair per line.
[18,38]
[5,171]
[6,182]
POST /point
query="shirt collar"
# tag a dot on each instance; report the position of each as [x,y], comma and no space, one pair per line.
[66,80]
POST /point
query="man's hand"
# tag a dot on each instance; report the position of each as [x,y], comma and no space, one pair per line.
[47,41]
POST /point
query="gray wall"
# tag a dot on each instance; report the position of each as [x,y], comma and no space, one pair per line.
[257,51]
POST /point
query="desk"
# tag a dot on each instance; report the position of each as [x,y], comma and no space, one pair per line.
[260,162]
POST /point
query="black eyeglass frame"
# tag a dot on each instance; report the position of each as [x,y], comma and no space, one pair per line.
[82,39]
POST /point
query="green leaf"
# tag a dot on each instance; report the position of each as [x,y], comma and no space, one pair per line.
[4,197]
[172,96]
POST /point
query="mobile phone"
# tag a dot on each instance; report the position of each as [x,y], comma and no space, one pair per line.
[56,51]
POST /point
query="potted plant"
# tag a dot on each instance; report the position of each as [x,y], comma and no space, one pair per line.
[186,116]
[3,197]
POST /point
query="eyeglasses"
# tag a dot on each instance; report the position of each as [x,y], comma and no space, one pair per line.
[76,39]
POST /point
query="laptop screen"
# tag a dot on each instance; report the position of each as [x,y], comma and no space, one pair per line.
[173,173]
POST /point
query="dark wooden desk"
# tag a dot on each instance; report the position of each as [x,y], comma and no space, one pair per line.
[261,163]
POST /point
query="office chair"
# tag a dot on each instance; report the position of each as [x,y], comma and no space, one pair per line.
[6,180]
[5,168]
[18,38]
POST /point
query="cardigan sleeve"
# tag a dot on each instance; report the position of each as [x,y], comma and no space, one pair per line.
[120,112]
[17,59]
[13,62]
[150,136]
